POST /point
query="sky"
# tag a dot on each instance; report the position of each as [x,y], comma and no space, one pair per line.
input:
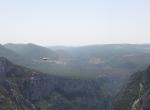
[74,22]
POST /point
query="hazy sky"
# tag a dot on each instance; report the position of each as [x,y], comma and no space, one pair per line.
[74,22]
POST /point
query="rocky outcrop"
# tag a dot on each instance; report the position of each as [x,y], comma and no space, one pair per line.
[136,94]
[137,105]
[142,103]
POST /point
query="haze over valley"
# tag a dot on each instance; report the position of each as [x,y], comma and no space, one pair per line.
[74,55]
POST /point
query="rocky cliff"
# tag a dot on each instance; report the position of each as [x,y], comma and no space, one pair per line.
[25,89]
[136,94]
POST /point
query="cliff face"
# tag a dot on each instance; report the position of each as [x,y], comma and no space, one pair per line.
[24,89]
[136,94]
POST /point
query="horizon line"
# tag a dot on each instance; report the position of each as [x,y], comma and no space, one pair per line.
[84,45]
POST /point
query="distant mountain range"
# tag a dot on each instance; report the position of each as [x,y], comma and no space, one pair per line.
[71,78]
[32,51]
[13,56]
[86,61]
